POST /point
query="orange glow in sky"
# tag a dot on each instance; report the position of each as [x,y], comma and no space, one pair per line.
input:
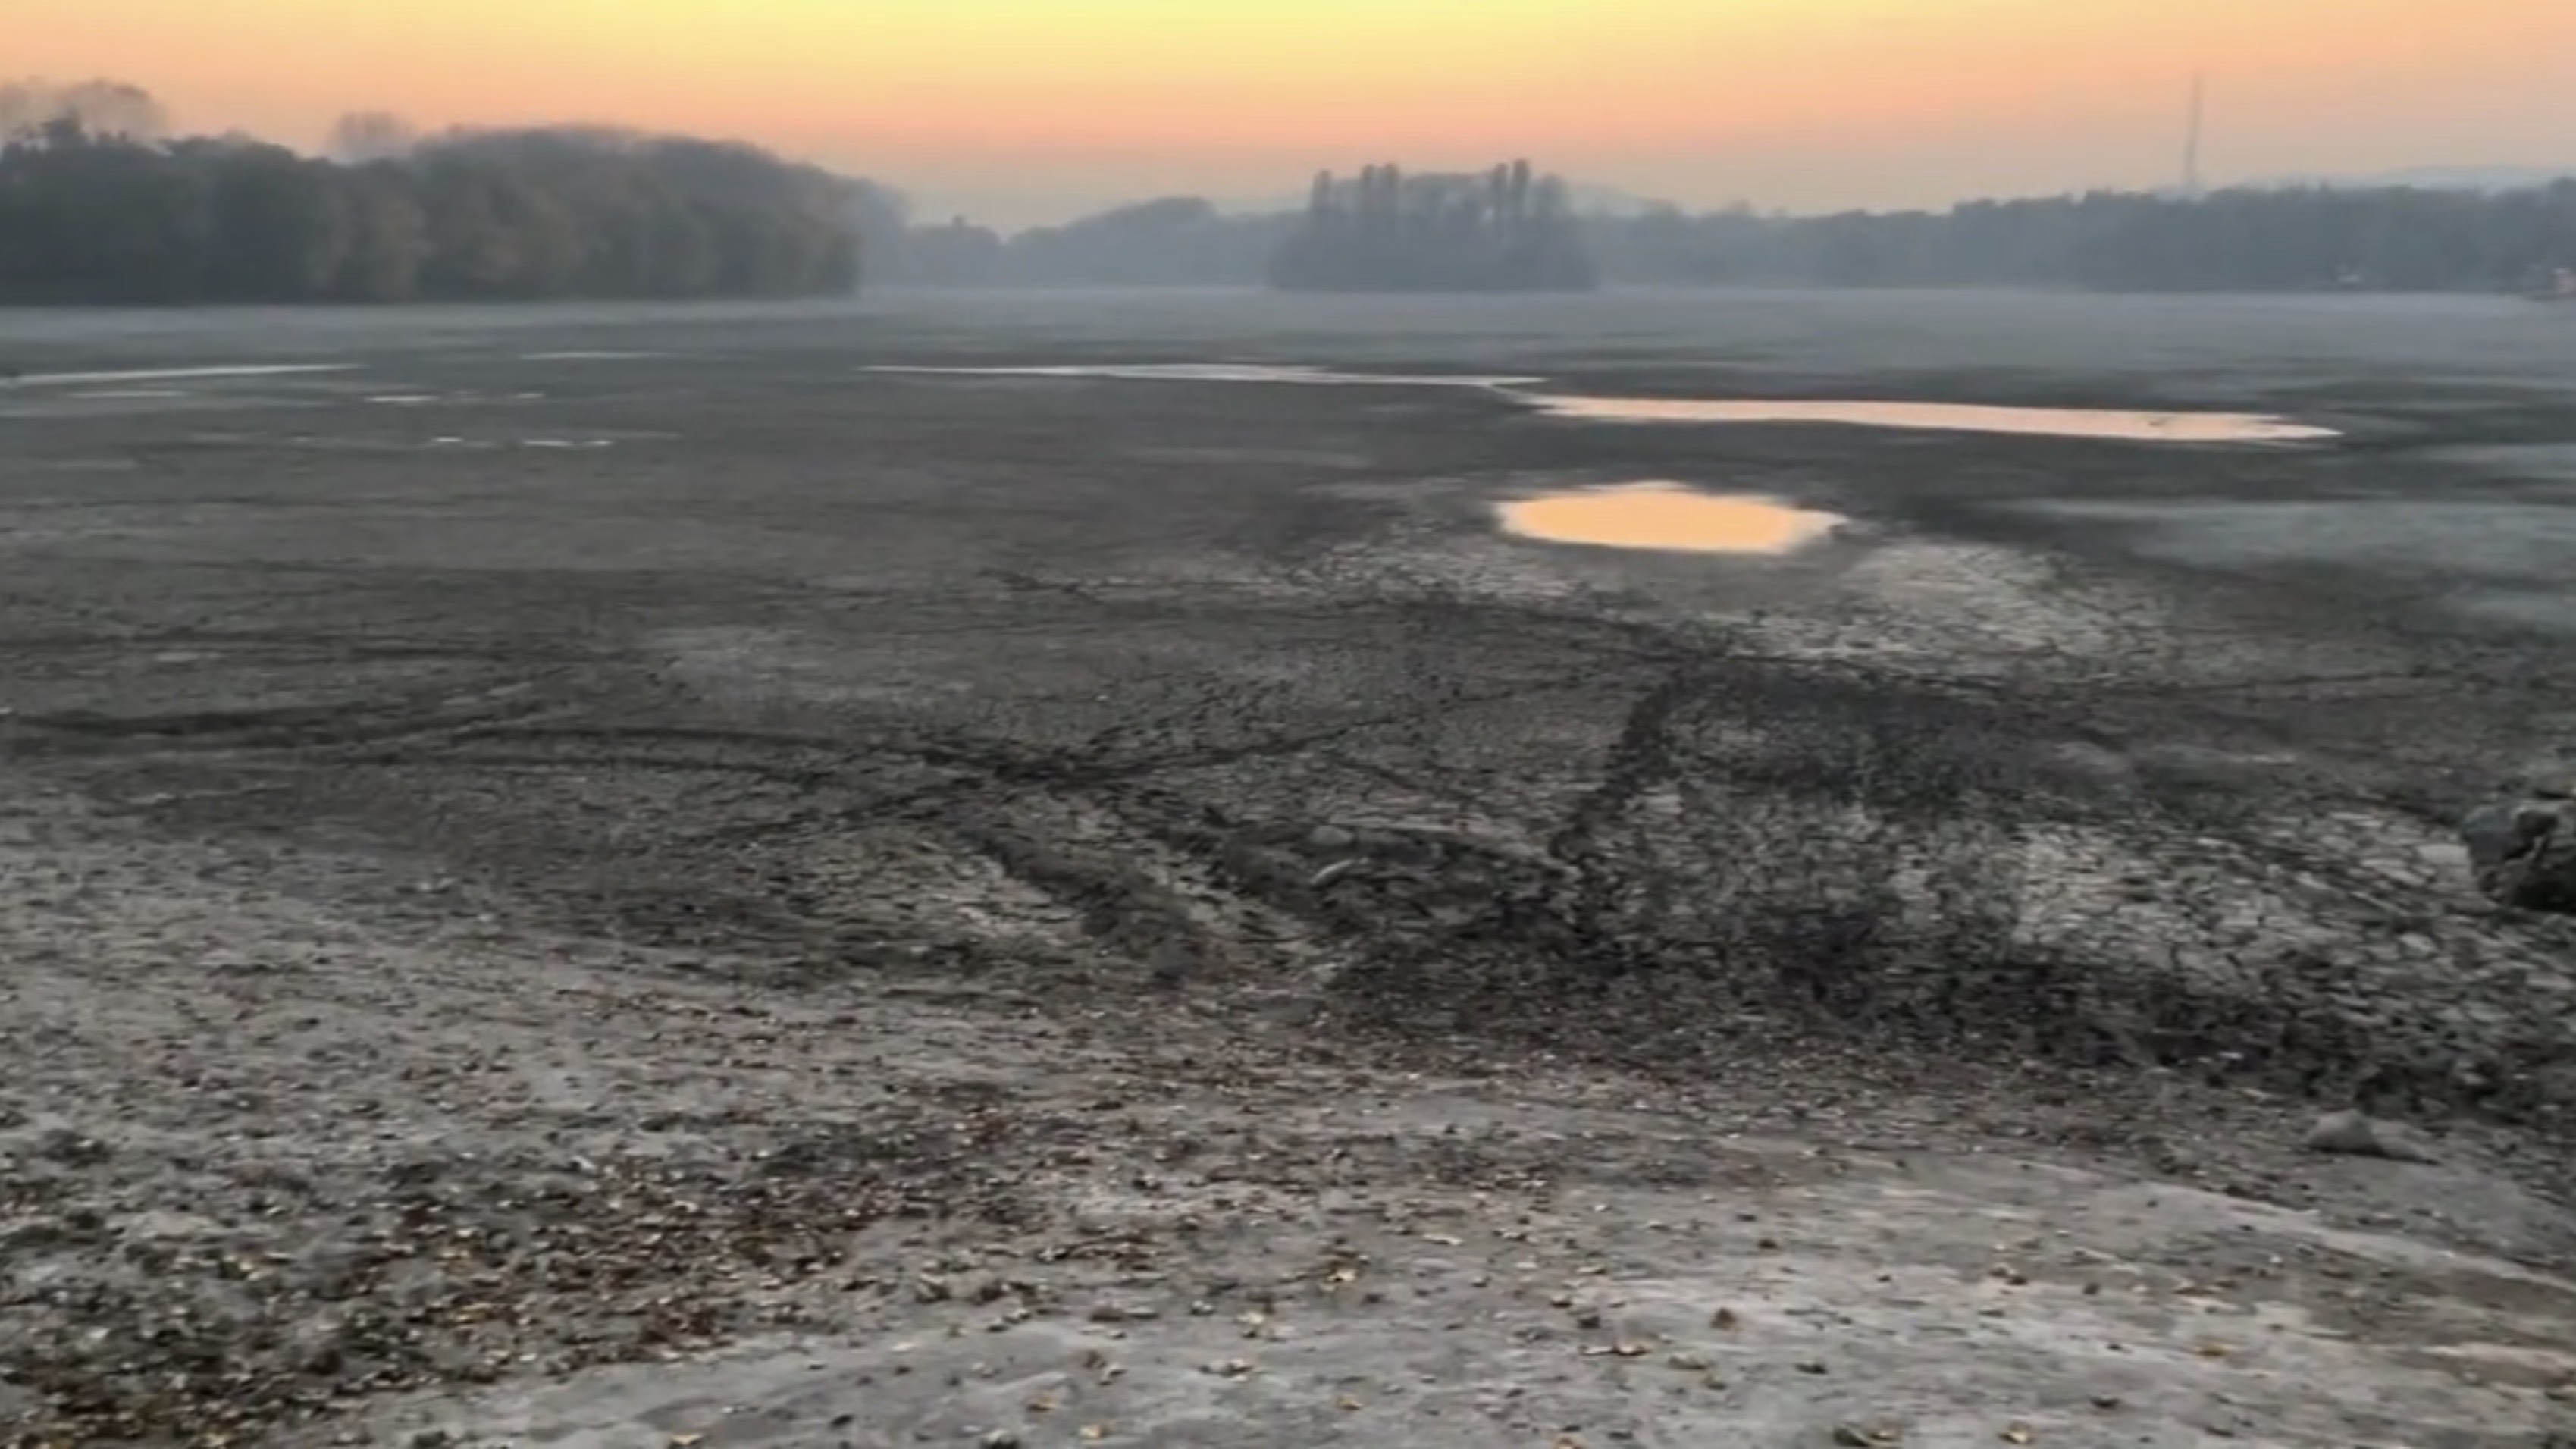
[1045,105]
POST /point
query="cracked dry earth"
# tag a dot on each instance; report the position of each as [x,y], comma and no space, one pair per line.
[899,911]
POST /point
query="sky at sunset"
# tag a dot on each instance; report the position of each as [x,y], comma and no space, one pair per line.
[1023,110]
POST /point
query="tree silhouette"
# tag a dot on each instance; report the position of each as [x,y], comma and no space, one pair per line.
[2291,239]
[92,210]
[363,136]
[1497,231]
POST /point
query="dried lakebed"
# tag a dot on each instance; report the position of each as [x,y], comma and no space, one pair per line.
[913,911]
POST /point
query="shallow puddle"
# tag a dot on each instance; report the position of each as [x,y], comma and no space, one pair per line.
[1666,516]
[1221,372]
[2151,427]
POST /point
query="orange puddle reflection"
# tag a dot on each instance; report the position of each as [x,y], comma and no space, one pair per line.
[1666,516]
[2146,427]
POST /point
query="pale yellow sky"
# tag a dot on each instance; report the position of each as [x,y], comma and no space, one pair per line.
[1021,108]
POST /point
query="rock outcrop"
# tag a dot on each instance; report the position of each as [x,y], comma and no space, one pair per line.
[2523,848]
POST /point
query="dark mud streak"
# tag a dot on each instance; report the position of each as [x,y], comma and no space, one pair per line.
[1641,758]
[292,728]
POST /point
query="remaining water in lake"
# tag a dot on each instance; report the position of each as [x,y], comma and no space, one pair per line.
[1666,516]
[2150,427]
[2110,423]
[1941,419]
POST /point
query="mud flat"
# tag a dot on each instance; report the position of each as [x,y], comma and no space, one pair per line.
[1097,896]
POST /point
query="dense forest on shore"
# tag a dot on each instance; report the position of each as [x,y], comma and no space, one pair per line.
[97,207]
[2391,239]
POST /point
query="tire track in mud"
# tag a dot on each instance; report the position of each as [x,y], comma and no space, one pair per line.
[1641,758]
[987,766]
[311,728]
[1391,894]
[1181,885]
[1427,925]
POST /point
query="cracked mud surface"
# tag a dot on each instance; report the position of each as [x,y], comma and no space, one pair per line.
[899,909]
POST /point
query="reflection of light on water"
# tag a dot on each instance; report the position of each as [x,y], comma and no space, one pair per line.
[178,374]
[1666,516]
[2158,427]
[2111,423]
[1220,372]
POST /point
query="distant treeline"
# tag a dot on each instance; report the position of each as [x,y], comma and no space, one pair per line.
[1176,241]
[1504,231]
[95,209]
[2299,239]
[1501,230]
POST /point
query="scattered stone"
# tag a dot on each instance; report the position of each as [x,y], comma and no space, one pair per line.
[71,1149]
[1331,838]
[2353,1133]
[2550,778]
[1723,1318]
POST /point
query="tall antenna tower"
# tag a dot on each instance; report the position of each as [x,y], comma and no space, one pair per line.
[2191,138]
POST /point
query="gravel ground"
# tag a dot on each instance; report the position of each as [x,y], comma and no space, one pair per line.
[616,877]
